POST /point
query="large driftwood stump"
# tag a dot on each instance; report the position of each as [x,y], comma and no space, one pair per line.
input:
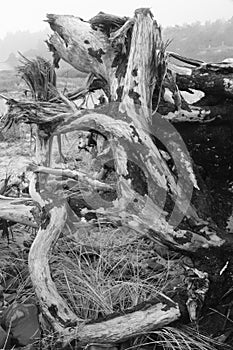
[159,192]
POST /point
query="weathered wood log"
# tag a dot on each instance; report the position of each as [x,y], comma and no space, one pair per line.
[212,78]
[211,82]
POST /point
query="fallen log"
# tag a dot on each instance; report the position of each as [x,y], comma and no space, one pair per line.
[214,79]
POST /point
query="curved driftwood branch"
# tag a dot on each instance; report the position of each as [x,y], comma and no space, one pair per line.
[52,304]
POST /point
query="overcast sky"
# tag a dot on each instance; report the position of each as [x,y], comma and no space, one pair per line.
[29,14]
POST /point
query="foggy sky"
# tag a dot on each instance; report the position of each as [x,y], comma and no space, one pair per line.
[23,15]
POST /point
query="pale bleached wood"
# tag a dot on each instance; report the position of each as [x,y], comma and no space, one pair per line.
[18,210]
[74,174]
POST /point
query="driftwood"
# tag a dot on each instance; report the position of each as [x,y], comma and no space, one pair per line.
[18,210]
[212,78]
[160,193]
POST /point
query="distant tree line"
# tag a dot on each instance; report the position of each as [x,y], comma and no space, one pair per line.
[25,42]
[212,41]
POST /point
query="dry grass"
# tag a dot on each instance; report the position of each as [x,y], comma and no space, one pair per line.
[105,278]
[101,271]
[180,338]
[40,77]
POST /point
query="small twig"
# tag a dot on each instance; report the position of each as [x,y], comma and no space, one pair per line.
[227,316]
[4,97]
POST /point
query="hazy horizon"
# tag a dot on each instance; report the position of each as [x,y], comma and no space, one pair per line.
[193,40]
[27,15]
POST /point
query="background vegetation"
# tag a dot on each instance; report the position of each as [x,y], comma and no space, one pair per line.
[212,41]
